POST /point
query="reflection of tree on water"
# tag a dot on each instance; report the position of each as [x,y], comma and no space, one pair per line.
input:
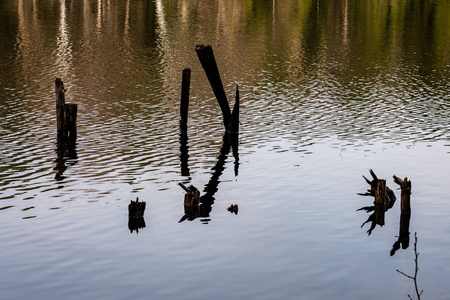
[191,212]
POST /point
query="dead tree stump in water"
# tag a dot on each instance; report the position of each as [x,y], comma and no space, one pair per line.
[136,209]
[192,197]
[405,186]
[380,201]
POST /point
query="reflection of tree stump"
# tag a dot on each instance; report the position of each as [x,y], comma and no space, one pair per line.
[135,224]
[136,209]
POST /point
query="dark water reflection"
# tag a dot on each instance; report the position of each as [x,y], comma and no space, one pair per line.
[328,90]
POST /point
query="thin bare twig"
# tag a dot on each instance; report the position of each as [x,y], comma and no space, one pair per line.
[416,270]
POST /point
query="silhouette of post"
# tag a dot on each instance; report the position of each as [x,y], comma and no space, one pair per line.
[184,105]
[405,186]
[380,200]
[206,56]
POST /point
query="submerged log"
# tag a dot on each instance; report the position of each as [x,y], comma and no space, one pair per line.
[206,56]
[136,209]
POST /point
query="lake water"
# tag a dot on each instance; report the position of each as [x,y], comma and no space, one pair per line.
[329,90]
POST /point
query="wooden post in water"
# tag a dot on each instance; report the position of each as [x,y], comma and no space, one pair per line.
[405,186]
[184,106]
[206,56]
[60,104]
[380,201]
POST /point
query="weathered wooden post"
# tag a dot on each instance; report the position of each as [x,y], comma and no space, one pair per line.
[60,104]
[380,201]
[206,57]
[405,186]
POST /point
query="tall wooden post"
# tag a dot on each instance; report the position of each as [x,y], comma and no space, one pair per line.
[206,56]
[60,103]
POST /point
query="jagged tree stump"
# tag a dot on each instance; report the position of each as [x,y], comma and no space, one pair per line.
[136,209]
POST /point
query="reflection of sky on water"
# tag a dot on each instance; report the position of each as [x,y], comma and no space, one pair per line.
[321,104]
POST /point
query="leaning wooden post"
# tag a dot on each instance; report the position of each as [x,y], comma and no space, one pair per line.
[206,56]
[405,186]
[184,106]
[60,103]
[380,201]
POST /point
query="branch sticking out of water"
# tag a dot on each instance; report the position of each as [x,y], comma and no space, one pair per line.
[416,270]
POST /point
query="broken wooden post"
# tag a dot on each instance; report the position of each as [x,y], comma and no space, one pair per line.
[405,215]
[405,186]
[192,197]
[60,104]
[380,201]
[184,105]
[206,56]
[136,209]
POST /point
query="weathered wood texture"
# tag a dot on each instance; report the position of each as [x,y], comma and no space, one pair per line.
[206,57]
[405,186]
[136,209]
[380,201]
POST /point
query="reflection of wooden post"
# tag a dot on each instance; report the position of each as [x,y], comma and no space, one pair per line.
[405,186]
[184,106]
[206,56]
[71,121]
[234,126]
[60,103]
[380,200]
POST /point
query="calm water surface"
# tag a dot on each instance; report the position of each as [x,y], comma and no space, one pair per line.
[329,90]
